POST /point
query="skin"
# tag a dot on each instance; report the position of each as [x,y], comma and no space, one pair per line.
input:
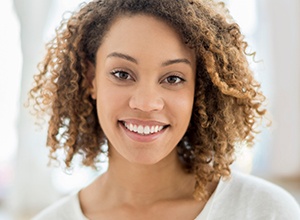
[144,75]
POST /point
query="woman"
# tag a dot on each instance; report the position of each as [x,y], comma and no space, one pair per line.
[166,85]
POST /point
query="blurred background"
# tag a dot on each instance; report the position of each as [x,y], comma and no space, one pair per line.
[27,184]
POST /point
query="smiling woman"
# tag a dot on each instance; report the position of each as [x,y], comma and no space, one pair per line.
[143,80]
[166,84]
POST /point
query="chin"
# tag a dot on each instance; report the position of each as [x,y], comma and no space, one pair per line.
[149,160]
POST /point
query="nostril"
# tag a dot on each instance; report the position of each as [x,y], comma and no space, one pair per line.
[146,102]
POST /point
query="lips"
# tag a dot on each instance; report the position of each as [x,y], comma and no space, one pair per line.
[143,131]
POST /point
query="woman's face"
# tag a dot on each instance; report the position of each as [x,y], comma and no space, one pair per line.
[144,88]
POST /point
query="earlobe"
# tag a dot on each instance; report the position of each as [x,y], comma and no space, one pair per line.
[92,79]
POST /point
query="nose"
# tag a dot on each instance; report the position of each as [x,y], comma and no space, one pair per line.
[146,98]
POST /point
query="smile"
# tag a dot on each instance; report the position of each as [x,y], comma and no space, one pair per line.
[143,130]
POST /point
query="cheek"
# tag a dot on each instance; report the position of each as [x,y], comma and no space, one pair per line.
[110,105]
[109,96]
[179,109]
[183,103]
[107,92]
[110,101]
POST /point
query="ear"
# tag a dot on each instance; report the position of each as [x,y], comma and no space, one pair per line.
[91,77]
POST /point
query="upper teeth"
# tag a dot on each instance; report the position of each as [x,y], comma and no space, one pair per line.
[143,129]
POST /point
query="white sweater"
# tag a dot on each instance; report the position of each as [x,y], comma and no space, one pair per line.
[242,197]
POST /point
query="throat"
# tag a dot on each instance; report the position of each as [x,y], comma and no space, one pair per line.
[147,187]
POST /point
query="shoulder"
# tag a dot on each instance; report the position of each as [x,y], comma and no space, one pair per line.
[251,197]
[64,209]
[256,189]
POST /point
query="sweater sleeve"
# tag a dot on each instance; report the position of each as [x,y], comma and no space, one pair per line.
[248,197]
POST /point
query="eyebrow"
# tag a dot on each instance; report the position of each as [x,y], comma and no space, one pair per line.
[170,62]
[131,59]
[123,56]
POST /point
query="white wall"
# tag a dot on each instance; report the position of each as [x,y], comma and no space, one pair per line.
[32,184]
[279,37]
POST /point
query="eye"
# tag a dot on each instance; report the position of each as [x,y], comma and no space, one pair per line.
[121,74]
[174,79]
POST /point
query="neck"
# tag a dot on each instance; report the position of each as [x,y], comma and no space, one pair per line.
[146,184]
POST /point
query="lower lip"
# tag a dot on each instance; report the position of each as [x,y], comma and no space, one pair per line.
[141,138]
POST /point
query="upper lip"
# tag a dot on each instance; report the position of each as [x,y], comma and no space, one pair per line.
[143,122]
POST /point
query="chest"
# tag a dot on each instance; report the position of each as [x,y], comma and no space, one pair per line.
[175,211]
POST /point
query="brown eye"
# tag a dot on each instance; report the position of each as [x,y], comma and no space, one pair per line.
[122,75]
[174,79]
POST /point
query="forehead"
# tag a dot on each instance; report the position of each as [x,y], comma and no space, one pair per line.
[144,33]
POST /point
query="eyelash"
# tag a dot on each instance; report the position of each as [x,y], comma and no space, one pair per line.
[116,74]
[181,80]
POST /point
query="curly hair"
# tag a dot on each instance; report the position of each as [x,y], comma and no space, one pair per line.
[228,102]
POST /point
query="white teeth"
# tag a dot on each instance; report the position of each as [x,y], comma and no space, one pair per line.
[143,130]
[147,130]
[140,129]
